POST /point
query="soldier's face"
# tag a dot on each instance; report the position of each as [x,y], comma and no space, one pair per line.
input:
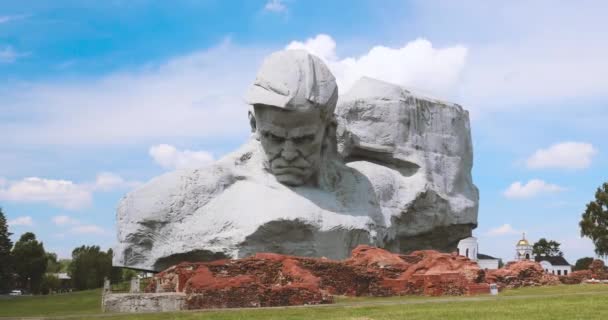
[292,141]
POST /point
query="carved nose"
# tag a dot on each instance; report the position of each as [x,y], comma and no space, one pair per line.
[289,152]
[289,155]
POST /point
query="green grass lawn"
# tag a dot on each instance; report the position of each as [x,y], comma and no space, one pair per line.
[81,302]
[557,302]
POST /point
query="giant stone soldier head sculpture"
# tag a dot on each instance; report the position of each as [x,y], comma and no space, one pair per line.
[382,166]
[294,97]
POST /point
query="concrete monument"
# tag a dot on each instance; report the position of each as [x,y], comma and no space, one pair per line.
[382,167]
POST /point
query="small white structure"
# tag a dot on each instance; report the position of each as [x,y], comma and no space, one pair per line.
[469,248]
[551,264]
[555,265]
[523,250]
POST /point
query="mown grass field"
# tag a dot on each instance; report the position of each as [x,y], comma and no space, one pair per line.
[75,303]
[558,302]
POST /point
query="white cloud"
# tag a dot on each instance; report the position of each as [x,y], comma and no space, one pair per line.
[417,64]
[524,56]
[195,96]
[565,155]
[61,193]
[9,55]
[21,221]
[76,227]
[88,229]
[533,188]
[64,220]
[171,158]
[505,229]
[322,46]
[107,181]
[10,18]
[275,6]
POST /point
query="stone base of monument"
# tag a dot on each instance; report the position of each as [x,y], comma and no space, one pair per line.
[144,302]
[269,280]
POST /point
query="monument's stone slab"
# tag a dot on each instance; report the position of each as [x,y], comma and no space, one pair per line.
[143,302]
[386,168]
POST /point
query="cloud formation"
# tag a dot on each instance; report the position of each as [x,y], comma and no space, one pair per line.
[170,157]
[198,95]
[534,187]
[9,55]
[108,181]
[11,18]
[88,229]
[524,56]
[505,229]
[277,6]
[564,155]
[416,64]
[64,220]
[21,221]
[61,193]
[76,227]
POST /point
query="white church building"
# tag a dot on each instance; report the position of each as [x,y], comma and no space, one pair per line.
[469,248]
[555,264]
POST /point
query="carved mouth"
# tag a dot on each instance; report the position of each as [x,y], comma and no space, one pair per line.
[289,170]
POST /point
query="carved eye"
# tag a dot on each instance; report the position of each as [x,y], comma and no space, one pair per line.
[273,138]
[304,139]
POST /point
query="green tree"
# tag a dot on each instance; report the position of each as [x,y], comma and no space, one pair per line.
[594,221]
[49,284]
[52,266]
[6,265]
[582,263]
[64,265]
[29,261]
[89,267]
[547,248]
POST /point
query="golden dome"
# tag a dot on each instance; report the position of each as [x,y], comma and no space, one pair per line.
[523,241]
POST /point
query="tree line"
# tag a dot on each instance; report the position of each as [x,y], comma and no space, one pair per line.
[27,266]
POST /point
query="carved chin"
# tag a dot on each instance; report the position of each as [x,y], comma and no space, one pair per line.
[290,179]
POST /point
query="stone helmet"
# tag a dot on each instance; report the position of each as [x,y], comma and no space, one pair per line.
[294,80]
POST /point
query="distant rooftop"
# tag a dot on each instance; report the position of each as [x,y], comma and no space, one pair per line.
[556,261]
[485,257]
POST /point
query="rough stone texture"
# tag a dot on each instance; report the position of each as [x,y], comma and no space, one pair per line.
[143,302]
[267,279]
[401,181]
[285,70]
[521,274]
[423,147]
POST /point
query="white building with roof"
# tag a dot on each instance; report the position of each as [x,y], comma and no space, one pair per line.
[557,265]
[469,248]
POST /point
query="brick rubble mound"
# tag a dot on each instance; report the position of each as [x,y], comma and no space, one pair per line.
[518,274]
[597,270]
[267,279]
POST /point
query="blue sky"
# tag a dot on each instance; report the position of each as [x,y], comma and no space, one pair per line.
[97,97]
